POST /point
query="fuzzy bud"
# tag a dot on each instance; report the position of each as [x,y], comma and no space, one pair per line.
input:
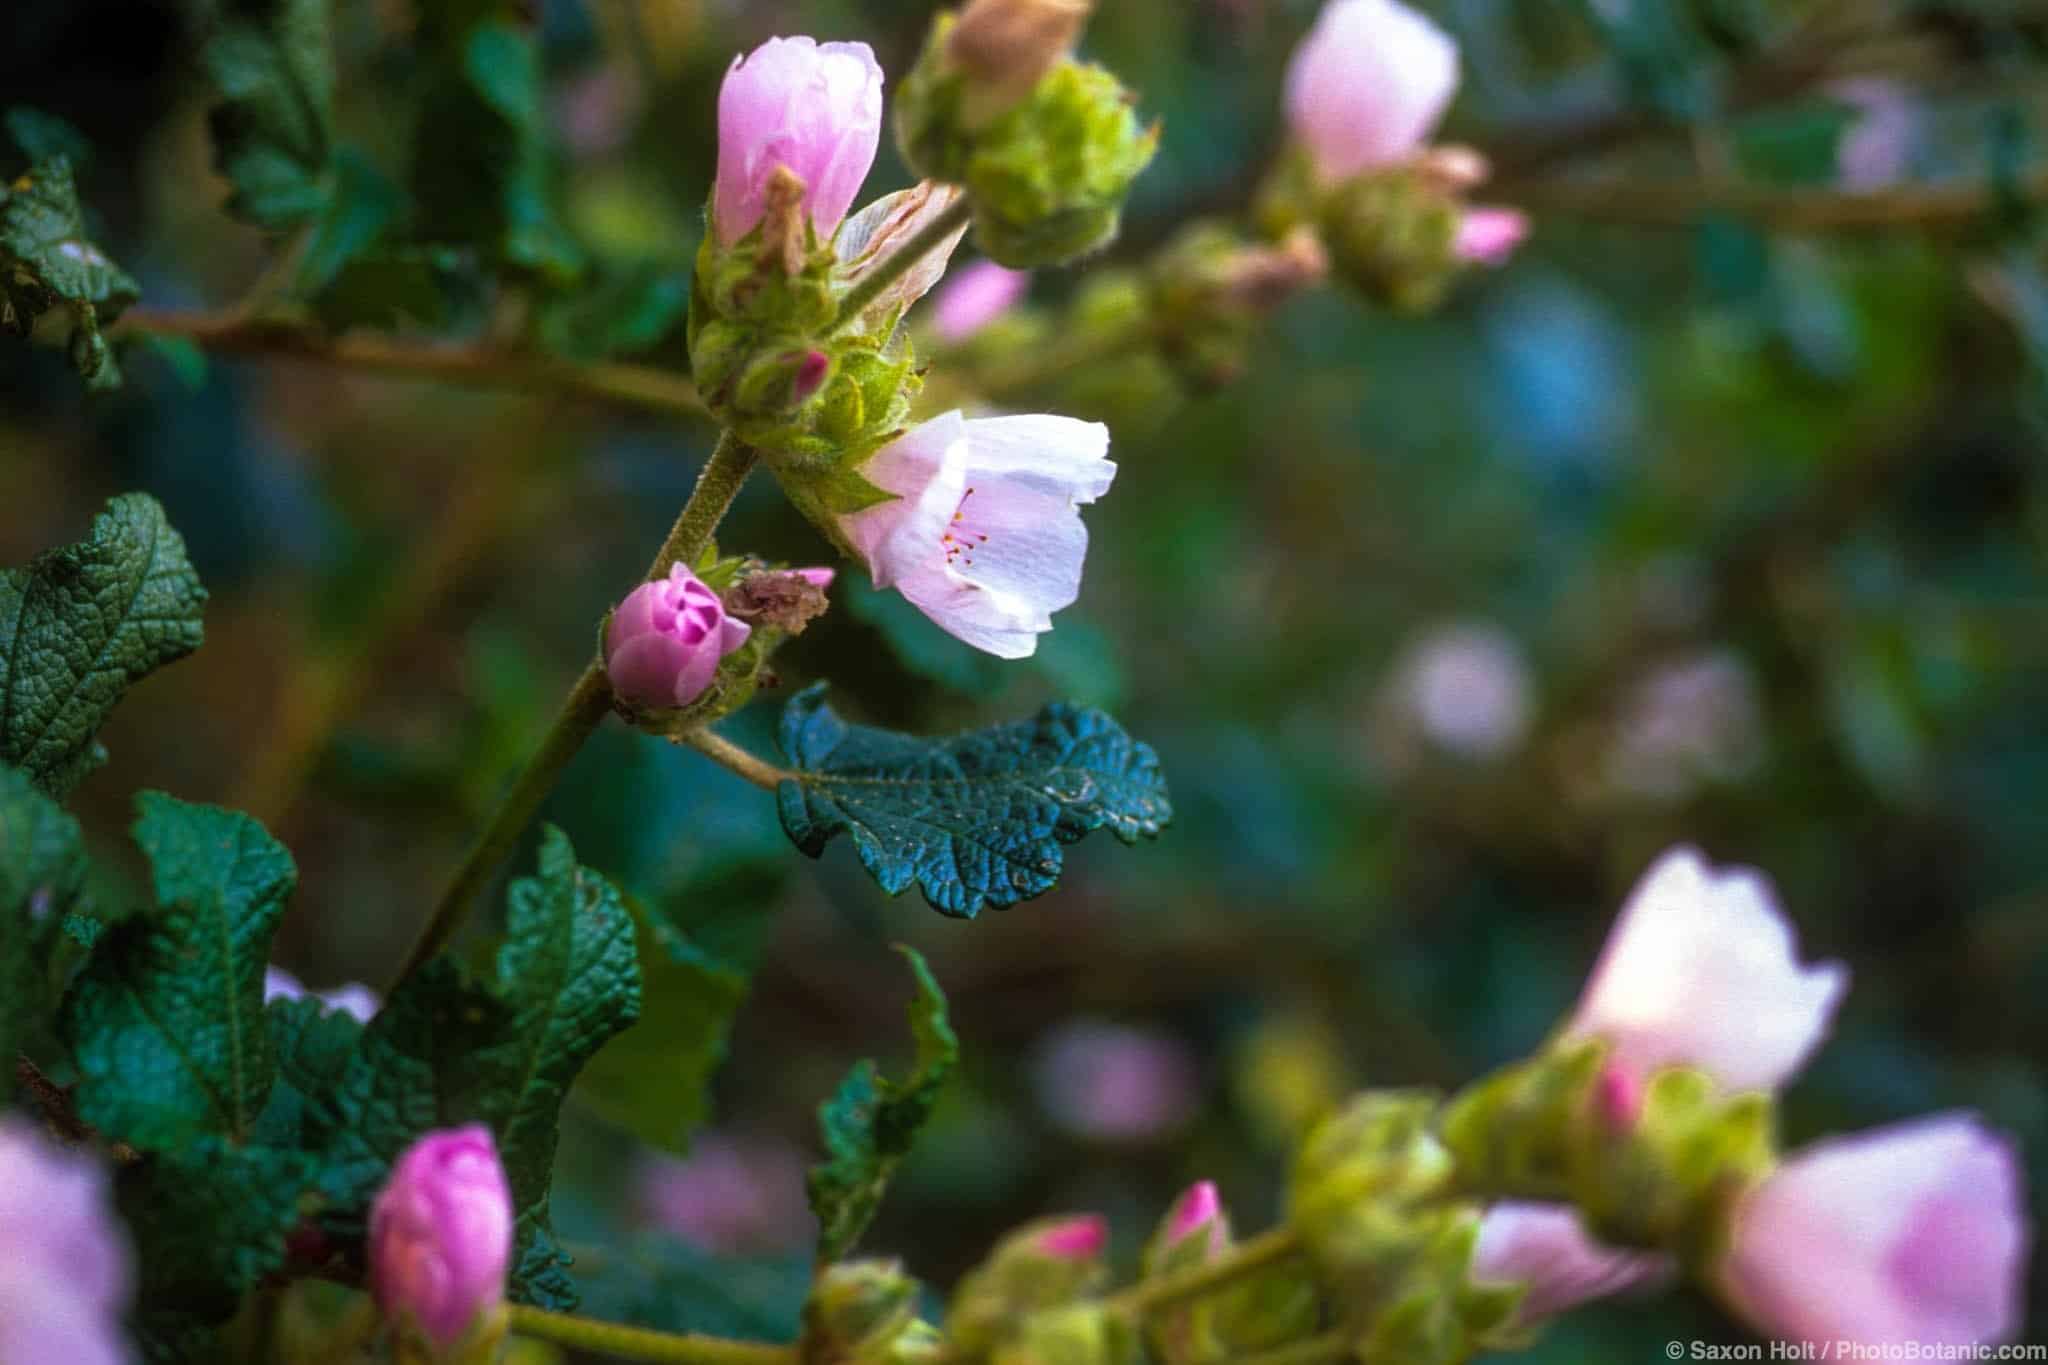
[1078,1334]
[664,642]
[1042,1265]
[855,1310]
[1004,48]
[441,1235]
[1194,1232]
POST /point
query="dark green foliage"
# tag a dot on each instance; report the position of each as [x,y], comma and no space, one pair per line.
[870,1123]
[41,870]
[976,820]
[655,1079]
[82,623]
[166,1020]
[211,1218]
[273,129]
[48,261]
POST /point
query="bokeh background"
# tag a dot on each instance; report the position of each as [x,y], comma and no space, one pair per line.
[1698,529]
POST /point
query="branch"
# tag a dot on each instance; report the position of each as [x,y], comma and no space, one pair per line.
[491,367]
[639,1343]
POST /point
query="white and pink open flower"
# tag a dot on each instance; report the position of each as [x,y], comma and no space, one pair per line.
[984,532]
[1701,970]
[1914,1233]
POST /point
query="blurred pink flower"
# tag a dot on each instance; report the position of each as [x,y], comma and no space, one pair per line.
[975,296]
[1081,1237]
[1914,1233]
[1489,236]
[731,1195]
[793,103]
[352,998]
[1701,970]
[984,535]
[1877,148]
[1467,687]
[1694,720]
[1368,85]
[1116,1084]
[65,1266]
[665,640]
[441,1233]
[1199,1212]
[1546,1247]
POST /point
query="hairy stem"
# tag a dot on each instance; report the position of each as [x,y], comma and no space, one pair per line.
[1331,1346]
[725,753]
[894,266]
[493,367]
[581,713]
[638,1343]
[1267,1249]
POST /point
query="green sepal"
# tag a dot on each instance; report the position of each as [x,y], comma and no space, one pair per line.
[1392,235]
[1049,177]
[856,1311]
[1367,1183]
[994,1300]
[1073,1334]
[1513,1132]
[870,1124]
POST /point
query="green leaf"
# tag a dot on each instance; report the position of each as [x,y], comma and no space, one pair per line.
[670,1286]
[362,204]
[82,623]
[654,1079]
[48,261]
[622,310]
[166,1019]
[976,820]
[312,1046]
[445,1050]
[42,869]
[272,63]
[870,1124]
[211,1218]
[45,137]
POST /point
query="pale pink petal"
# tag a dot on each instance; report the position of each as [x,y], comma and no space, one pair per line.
[976,296]
[794,103]
[1368,84]
[1547,1248]
[1489,236]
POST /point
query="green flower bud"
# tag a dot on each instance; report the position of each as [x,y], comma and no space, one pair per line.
[1394,236]
[1081,1334]
[1211,290]
[856,1310]
[1047,176]
[1040,1266]
[1376,1159]
[1513,1132]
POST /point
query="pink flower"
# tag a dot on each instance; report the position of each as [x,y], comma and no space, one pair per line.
[1700,970]
[1116,1084]
[354,998]
[665,640]
[730,1196]
[975,297]
[1545,1247]
[813,109]
[441,1233]
[984,535]
[65,1275]
[821,579]
[1468,688]
[1488,236]
[1199,1213]
[1913,1233]
[1079,1238]
[1368,85]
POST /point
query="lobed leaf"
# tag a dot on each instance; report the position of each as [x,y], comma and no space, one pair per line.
[80,625]
[166,1019]
[976,820]
[870,1124]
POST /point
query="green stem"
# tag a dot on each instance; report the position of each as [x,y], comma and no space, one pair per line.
[1148,1296]
[1330,1346]
[724,752]
[897,264]
[581,714]
[638,1343]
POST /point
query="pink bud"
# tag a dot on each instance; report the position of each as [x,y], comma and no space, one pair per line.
[441,1233]
[1368,85]
[821,579]
[976,296]
[1079,1238]
[665,640]
[1618,1098]
[810,376]
[1545,1247]
[1488,236]
[1914,1233]
[65,1274]
[812,109]
[1198,1212]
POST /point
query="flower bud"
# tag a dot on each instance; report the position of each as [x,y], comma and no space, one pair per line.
[1079,1334]
[65,1274]
[976,296]
[1393,236]
[1368,85]
[1915,1233]
[1041,1265]
[441,1235]
[1004,48]
[797,106]
[1194,1232]
[1488,236]
[856,1309]
[663,643]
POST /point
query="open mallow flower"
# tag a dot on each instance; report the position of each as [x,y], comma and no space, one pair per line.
[984,533]
[794,104]
[1913,1233]
[1547,1248]
[1368,85]
[1701,970]
[665,641]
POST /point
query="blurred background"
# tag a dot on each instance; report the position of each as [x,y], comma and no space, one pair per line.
[1686,525]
